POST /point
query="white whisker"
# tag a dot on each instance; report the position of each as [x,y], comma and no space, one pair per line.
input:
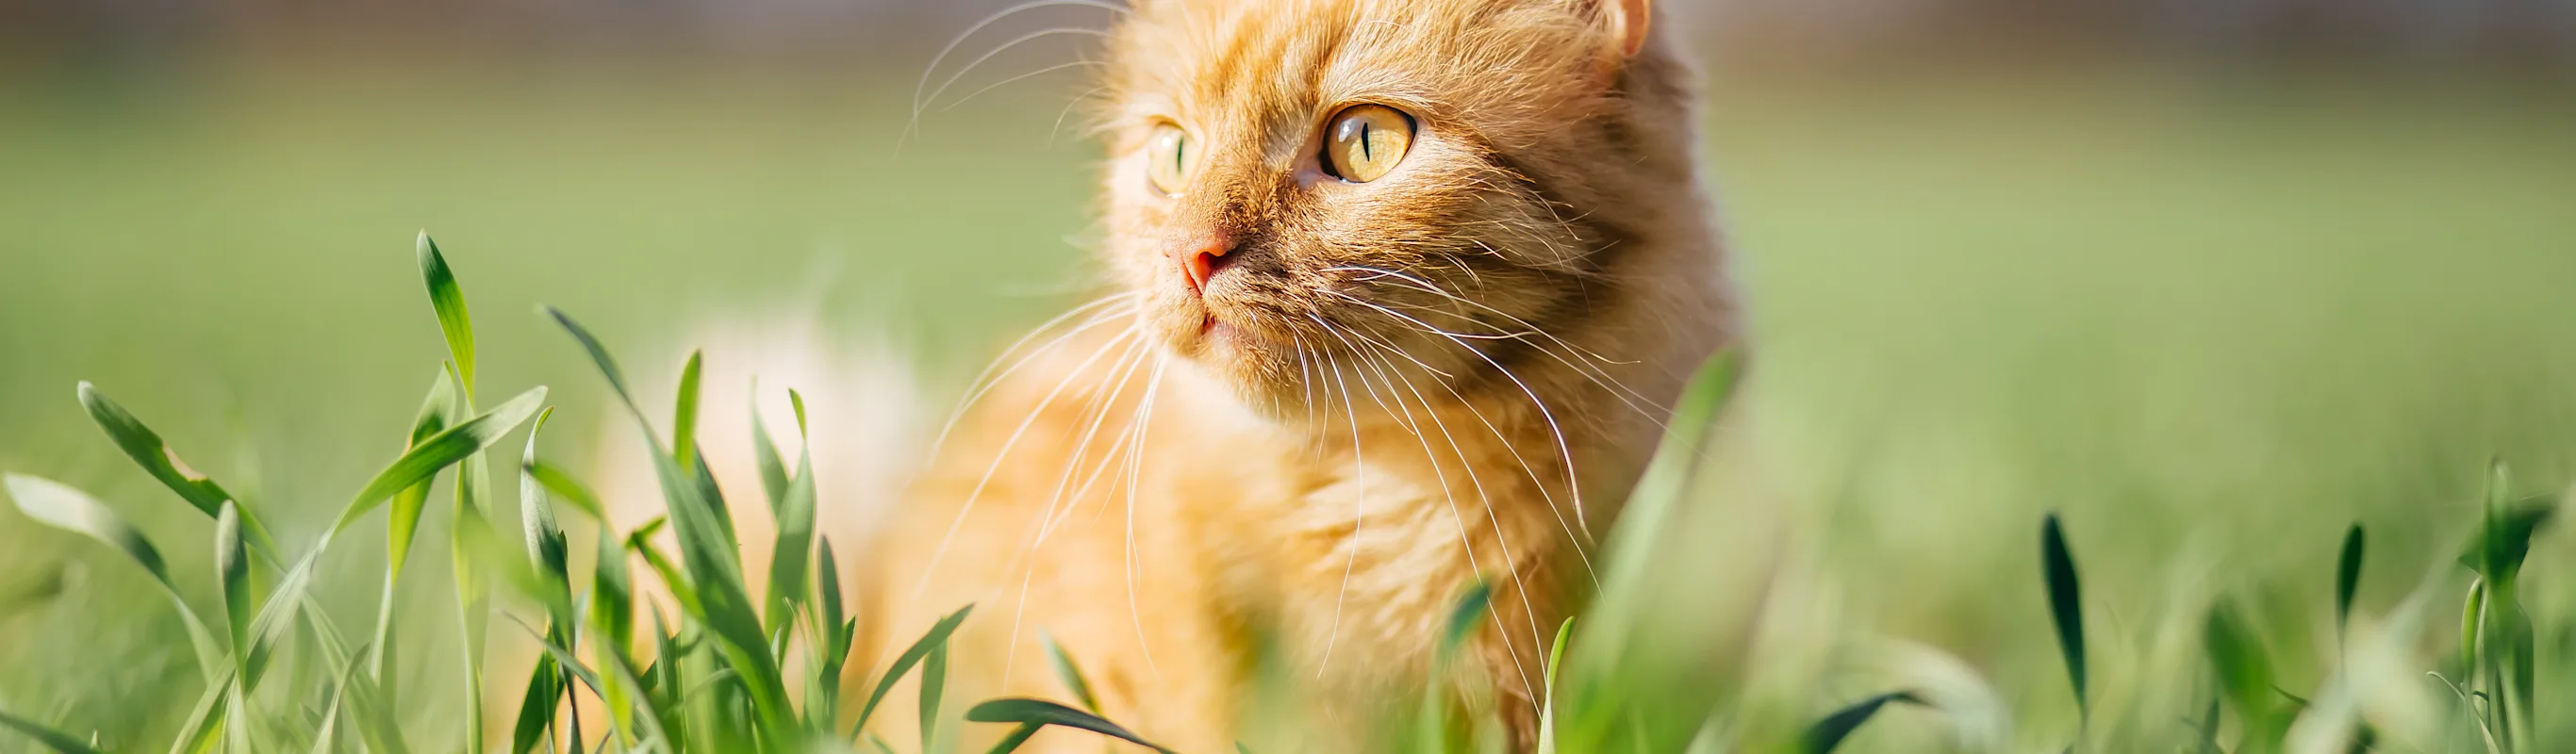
[968,508]
[969,33]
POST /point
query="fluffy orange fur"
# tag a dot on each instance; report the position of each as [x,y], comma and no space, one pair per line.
[1387,390]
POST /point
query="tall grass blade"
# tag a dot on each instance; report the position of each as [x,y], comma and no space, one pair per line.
[2065,604]
[1828,734]
[1042,712]
[447,448]
[147,450]
[2245,677]
[52,739]
[937,636]
[1464,618]
[599,358]
[203,723]
[566,488]
[710,555]
[2347,578]
[1677,460]
[537,706]
[684,418]
[327,739]
[789,558]
[232,573]
[764,454]
[60,506]
[833,636]
[1071,675]
[1018,736]
[545,537]
[402,523]
[449,301]
[934,680]
[1547,700]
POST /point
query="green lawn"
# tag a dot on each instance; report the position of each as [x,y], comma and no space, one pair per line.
[2212,318]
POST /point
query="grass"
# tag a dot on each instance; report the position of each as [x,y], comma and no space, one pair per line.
[2212,322]
[719,680]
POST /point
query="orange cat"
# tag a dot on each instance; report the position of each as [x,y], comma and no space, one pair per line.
[1402,289]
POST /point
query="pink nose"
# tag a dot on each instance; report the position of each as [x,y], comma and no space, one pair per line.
[1199,256]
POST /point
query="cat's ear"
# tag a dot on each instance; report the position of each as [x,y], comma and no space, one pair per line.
[1627,20]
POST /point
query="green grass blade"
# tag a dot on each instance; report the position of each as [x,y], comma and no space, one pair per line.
[276,618]
[403,517]
[537,705]
[449,301]
[612,593]
[764,455]
[790,557]
[375,720]
[2245,677]
[147,450]
[473,611]
[447,448]
[1547,700]
[1828,734]
[937,636]
[710,554]
[672,578]
[203,723]
[232,573]
[606,364]
[934,681]
[327,740]
[2347,578]
[52,739]
[1019,735]
[60,506]
[2065,604]
[684,417]
[1668,476]
[1464,618]
[1042,712]
[1071,675]
[566,488]
[545,537]
[833,640]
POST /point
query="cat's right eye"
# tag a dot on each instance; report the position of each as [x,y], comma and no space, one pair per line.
[1167,159]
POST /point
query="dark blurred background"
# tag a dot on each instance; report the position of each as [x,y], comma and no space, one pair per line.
[2213,277]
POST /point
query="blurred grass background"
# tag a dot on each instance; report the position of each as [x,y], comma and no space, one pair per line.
[2211,306]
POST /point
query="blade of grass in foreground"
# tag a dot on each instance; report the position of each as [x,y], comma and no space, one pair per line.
[1828,734]
[1041,712]
[60,506]
[710,554]
[449,301]
[1677,460]
[938,635]
[447,448]
[49,737]
[790,557]
[155,456]
[1071,674]
[2347,579]
[2065,604]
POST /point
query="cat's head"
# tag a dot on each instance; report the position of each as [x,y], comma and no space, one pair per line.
[1298,188]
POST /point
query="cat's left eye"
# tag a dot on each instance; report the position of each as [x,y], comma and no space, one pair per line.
[1167,158]
[1364,142]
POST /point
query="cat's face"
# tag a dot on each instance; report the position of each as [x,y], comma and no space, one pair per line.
[1368,192]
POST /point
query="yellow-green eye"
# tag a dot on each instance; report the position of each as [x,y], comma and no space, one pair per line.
[1366,141]
[1167,158]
